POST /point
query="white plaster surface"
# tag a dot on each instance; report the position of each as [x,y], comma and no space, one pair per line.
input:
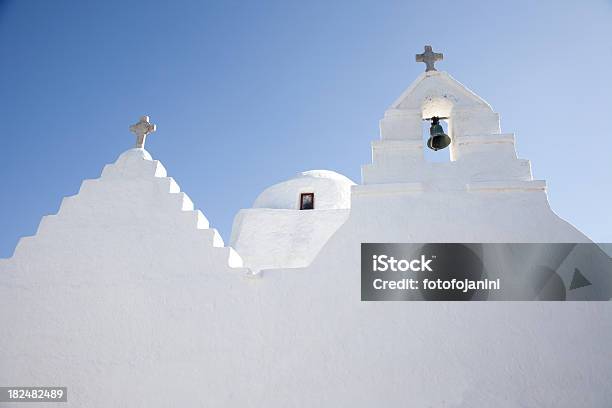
[332,191]
[128,299]
[270,238]
[275,233]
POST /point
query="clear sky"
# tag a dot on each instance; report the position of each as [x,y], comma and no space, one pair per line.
[248,93]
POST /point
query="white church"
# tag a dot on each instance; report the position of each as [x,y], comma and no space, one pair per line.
[129,298]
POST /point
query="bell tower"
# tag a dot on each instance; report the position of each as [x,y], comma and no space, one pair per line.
[482,157]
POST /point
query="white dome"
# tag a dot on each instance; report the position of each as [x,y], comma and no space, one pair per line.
[331,191]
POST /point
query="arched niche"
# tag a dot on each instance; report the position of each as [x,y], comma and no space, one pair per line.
[438,94]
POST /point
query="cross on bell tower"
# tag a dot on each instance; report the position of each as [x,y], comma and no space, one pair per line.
[141,130]
[429,58]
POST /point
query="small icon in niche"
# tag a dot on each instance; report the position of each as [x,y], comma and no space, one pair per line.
[307,201]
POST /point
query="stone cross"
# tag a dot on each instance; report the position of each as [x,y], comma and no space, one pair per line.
[141,130]
[429,58]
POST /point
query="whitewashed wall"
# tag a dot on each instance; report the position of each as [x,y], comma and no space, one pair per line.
[128,299]
[275,233]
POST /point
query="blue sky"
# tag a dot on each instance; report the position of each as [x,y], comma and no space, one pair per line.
[246,94]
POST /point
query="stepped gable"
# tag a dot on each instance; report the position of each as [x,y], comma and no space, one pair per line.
[133,208]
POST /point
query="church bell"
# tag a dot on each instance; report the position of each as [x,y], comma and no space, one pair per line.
[437,138]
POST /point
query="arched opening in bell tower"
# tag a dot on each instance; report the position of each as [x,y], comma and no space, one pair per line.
[438,156]
[436,107]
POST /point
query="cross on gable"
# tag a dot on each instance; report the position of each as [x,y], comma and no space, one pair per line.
[141,130]
[429,58]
